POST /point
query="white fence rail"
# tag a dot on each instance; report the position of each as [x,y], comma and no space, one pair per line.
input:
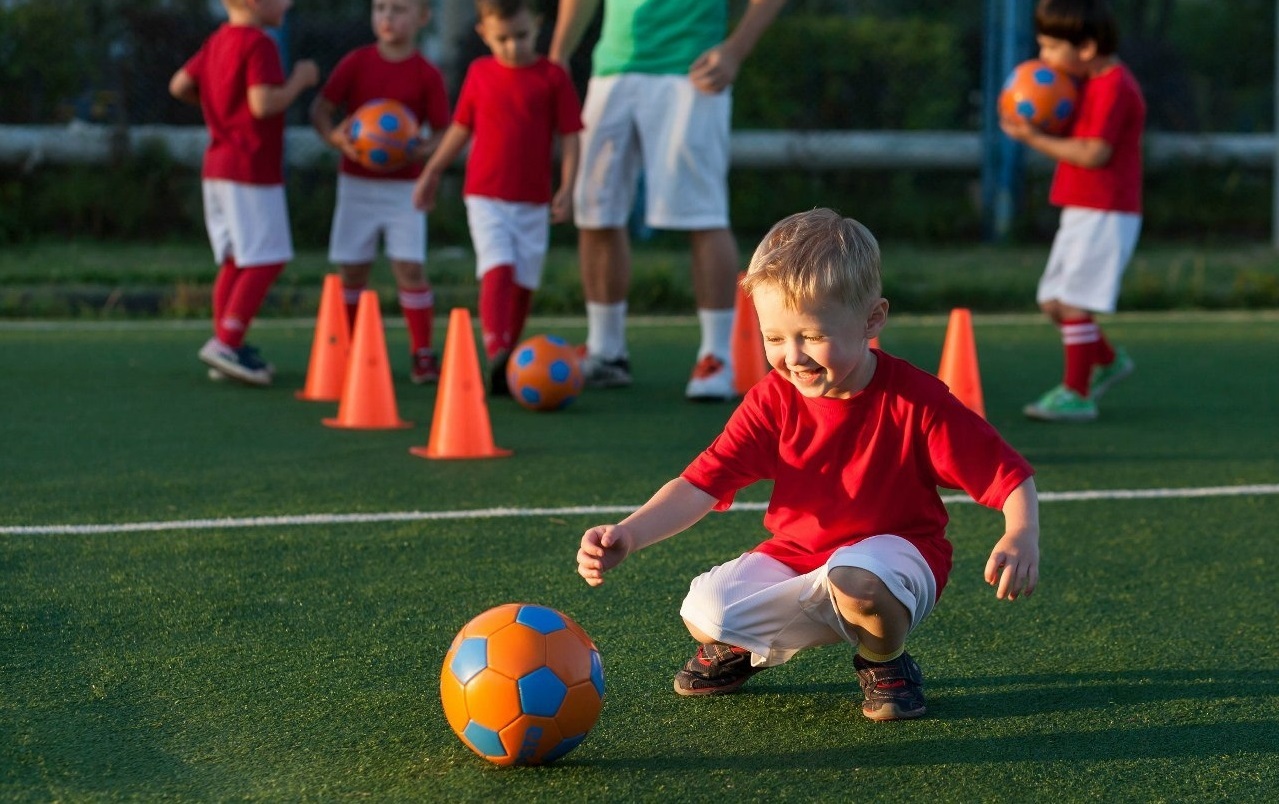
[82,143]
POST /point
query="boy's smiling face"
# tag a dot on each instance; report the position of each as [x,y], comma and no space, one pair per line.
[822,349]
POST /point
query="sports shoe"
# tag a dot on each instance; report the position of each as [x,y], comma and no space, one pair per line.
[1061,405]
[243,364]
[711,381]
[892,690]
[600,373]
[497,375]
[716,669]
[1103,377]
[426,367]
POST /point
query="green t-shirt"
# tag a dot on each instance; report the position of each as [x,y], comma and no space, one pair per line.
[657,37]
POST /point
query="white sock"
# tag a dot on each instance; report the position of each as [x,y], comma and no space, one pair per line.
[717,333]
[606,330]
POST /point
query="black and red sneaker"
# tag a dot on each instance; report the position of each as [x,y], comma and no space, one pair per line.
[716,669]
[893,690]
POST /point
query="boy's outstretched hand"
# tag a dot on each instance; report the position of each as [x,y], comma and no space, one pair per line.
[603,547]
[1013,566]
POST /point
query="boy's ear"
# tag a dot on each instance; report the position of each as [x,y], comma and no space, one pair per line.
[1087,50]
[877,318]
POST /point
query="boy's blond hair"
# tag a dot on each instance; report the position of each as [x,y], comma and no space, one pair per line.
[815,257]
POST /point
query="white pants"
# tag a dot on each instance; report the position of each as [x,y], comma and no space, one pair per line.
[678,135]
[1089,256]
[759,603]
[509,233]
[371,208]
[249,222]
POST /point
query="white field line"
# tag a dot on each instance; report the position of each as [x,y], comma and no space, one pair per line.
[232,523]
[903,320]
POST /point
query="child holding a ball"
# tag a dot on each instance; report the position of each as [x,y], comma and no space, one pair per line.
[237,79]
[1097,184]
[512,107]
[375,200]
[855,442]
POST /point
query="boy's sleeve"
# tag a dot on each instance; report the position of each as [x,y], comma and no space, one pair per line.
[968,453]
[262,63]
[338,85]
[464,112]
[1102,120]
[745,452]
[568,110]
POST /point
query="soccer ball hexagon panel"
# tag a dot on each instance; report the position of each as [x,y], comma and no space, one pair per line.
[522,684]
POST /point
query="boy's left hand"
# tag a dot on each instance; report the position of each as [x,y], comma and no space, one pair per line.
[1013,565]
[562,206]
[1017,128]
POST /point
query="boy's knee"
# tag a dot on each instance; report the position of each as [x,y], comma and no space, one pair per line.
[857,592]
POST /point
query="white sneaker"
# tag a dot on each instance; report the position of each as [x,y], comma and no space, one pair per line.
[242,364]
[600,373]
[712,381]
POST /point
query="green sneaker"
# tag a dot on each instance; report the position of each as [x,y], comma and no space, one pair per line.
[1061,405]
[1103,377]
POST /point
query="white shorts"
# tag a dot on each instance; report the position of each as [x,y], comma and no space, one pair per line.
[680,137]
[249,222]
[509,233]
[1089,256]
[759,603]
[369,208]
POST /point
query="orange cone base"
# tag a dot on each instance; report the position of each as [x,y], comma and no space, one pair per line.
[397,425]
[427,452]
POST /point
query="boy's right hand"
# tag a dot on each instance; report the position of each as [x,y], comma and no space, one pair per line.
[306,72]
[424,190]
[603,548]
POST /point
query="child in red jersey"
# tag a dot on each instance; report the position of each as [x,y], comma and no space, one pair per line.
[856,443]
[1098,186]
[511,107]
[372,203]
[237,80]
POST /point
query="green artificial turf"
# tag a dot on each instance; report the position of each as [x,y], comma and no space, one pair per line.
[301,662]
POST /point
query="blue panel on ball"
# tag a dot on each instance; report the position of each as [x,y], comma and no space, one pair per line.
[531,395]
[389,122]
[557,340]
[541,693]
[541,619]
[597,673]
[1064,109]
[470,659]
[525,356]
[563,748]
[485,740]
[561,371]
[379,156]
[1044,76]
[1026,109]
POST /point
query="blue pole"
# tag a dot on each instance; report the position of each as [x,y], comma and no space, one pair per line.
[1007,39]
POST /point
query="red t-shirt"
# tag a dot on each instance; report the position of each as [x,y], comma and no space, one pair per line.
[1112,108]
[513,114]
[241,148]
[364,75]
[847,469]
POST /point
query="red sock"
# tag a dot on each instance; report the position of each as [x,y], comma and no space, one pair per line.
[1079,339]
[521,301]
[222,287]
[246,298]
[418,307]
[351,298]
[1105,353]
[497,293]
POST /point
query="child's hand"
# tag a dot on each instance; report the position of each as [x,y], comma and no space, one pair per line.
[1014,564]
[424,191]
[714,71]
[603,547]
[340,138]
[562,206]
[1018,128]
[306,72]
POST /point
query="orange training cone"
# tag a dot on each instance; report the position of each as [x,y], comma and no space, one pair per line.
[461,427]
[368,397]
[749,363]
[959,362]
[330,348]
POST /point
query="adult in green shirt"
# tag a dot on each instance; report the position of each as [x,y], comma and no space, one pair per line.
[659,99]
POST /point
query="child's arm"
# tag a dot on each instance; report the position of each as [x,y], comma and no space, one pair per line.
[452,143]
[717,68]
[562,202]
[182,86]
[338,134]
[675,507]
[268,100]
[1085,152]
[571,22]
[1014,563]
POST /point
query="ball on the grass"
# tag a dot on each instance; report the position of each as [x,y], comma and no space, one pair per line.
[382,132]
[522,684]
[544,373]
[1045,97]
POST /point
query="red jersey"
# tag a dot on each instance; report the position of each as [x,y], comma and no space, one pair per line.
[513,114]
[364,75]
[241,148]
[1112,108]
[844,470]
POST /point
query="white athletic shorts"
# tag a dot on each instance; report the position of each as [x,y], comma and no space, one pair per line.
[1089,256]
[757,602]
[369,208]
[249,222]
[680,137]
[509,233]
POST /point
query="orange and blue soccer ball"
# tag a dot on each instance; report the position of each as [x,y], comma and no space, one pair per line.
[383,132]
[544,373]
[522,684]
[1044,96]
